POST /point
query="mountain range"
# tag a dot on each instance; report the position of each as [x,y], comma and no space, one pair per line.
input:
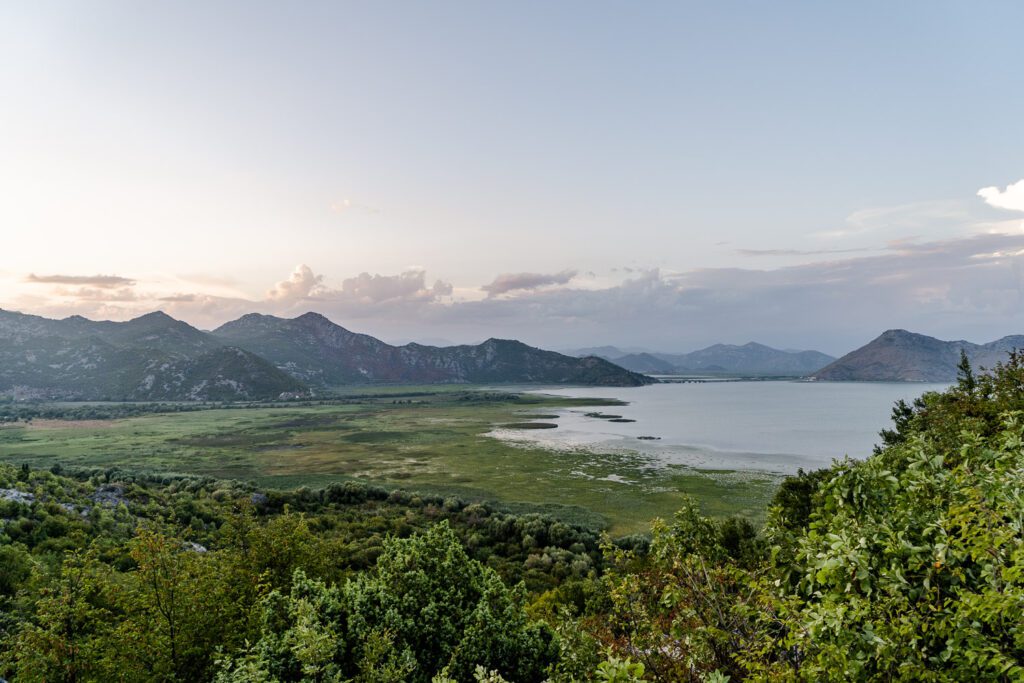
[150,358]
[606,351]
[902,356]
[317,351]
[725,359]
[155,357]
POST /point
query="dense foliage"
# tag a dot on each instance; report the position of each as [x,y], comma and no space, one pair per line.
[907,566]
[427,608]
[187,570]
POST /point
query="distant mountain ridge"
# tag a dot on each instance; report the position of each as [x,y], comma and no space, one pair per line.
[902,356]
[607,352]
[727,359]
[750,358]
[155,357]
[320,352]
[646,363]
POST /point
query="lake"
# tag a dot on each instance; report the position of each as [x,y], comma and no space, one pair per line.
[769,426]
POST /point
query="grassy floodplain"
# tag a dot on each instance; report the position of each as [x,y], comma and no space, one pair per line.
[420,439]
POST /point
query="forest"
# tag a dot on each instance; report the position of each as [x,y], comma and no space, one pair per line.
[907,565]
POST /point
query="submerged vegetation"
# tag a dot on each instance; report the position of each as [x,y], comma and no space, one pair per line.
[908,565]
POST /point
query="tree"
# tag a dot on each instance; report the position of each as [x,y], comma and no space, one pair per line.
[68,639]
[689,607]
[965,375]
[913,567]
[427,608]
[15,568]
[181,607]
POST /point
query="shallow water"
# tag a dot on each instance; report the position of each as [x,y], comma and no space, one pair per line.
[773,426]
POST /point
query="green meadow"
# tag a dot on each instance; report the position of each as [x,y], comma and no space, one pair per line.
[420,439]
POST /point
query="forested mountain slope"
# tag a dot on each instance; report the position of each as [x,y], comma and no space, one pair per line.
[153,357]
[157,358]
[315,350]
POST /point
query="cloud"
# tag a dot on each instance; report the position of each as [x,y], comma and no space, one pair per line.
[87,289]
[365,296]
[510,282]
[958,276]
[372,289]
[97,294]
[798,252]
[1011,198]
[931,218]
[302,284]
[363,290]
[103,281]
[964,287]
[970,287]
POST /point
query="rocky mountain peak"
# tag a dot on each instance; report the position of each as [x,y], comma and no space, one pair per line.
[899,355]
[156,317]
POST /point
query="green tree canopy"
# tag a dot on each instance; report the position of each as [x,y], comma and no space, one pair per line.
[426,609]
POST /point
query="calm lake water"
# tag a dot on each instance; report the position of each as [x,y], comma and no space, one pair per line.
[775,426]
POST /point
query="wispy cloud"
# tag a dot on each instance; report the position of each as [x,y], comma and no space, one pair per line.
[799,252]
[510,282]
[122,294]
[926,218]
[105,281]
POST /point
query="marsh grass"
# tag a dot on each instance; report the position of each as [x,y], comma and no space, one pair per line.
[436,444]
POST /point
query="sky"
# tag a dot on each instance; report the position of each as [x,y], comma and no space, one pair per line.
[653,175]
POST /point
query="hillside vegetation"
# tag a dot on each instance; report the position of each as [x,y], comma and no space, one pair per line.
[150,358]
[901,356]
[257,357]
[906,566]
[315,350]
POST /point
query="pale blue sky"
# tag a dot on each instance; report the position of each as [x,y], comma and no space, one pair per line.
[203,150]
